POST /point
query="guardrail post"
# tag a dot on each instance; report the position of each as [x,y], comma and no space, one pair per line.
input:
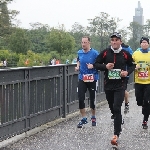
[26,103]
[64,111]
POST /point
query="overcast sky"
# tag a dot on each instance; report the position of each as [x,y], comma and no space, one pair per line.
[67,12]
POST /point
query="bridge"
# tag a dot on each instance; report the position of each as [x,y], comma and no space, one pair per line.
[41,104]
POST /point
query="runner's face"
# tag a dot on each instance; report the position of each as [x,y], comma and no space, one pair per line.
[115,42]
[85,43]
[144,45]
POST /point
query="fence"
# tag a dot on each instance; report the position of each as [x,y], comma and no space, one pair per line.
[32,96]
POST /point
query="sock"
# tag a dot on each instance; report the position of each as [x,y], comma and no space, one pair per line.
[84,118]
[127,104]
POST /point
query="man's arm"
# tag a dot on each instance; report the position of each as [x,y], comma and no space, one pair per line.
[78,65]
[131,64]
[99,63]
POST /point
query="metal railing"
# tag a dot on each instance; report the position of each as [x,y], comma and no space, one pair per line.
[32,96]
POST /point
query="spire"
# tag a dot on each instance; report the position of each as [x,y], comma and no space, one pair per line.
[139,14]
[139,4]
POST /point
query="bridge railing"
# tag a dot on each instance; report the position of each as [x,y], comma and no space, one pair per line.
[32,96]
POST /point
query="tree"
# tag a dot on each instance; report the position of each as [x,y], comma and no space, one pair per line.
[37,35]
[146,28]
[124,34]
[6,18]
[136,31]
[5,23]
[5,1]
[60,41]
[19,42]
[102,26]
[78,31]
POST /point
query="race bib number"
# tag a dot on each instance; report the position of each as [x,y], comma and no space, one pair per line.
[88,77]
[143,74]
[114,74]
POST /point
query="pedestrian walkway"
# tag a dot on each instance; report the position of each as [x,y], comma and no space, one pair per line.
[66,135]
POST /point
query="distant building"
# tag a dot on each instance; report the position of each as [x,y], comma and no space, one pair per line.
[139,18]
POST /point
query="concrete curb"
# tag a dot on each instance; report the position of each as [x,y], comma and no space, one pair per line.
[46,126]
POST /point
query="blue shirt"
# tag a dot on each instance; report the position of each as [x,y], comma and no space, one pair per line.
[143,51]
[128,49]
[85,58]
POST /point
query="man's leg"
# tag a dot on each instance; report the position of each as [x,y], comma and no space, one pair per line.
[118,100]
[126,98]
[126,101]
[110,99]
[82,87]
[139,93]
[92,92]
[146,106]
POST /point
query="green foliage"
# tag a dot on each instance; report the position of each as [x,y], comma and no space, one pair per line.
[134,44]
[136,31]
[41,43]
[4,54]
[102,26]
[60,41]
[5,23]
[5,1]
[146,28]
[12,58]
[78,31]
[19,42]
[37,35]
[35,59]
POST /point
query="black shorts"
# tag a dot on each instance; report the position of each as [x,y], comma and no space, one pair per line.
[142,93]
[82,88]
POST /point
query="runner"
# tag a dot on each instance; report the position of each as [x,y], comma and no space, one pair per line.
[87,79]
[142,79]
[126,109]
[128,49]
[113,62]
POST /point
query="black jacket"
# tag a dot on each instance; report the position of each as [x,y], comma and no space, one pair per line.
[120,60]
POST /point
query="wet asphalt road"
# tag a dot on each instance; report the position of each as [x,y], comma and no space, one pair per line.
[66,136]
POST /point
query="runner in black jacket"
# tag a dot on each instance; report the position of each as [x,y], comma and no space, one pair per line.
[113,62]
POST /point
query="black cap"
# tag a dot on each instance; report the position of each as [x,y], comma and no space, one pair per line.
[115,34]
[144,39]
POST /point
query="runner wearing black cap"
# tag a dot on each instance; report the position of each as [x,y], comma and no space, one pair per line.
[113,62]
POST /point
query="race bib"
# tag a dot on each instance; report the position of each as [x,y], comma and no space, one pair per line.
[143,74]
[88,77]
[114,74]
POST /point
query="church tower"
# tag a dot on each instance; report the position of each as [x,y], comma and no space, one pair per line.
[139,18]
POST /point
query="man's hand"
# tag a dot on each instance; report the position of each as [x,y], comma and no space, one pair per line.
[77,68]
[110,66]
[123,73]
[137,66]
[90,66]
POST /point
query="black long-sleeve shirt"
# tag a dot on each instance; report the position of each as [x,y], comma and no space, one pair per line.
[120,60]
